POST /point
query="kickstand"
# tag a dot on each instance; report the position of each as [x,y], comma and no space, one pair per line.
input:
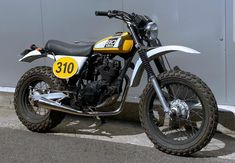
[101,119]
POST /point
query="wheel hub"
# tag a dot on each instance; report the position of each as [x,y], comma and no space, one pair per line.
[179,108]
[33,92]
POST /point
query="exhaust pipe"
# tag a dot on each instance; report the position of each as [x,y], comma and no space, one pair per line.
[53,105]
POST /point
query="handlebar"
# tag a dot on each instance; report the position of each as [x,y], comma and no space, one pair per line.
[101,13]
[135,19]
[114,14]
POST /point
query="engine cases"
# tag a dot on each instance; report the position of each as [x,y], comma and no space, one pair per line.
[92,93]
[96,92]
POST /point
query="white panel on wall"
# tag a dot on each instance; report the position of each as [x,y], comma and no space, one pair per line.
[197,24]
[75,20]
[20,27]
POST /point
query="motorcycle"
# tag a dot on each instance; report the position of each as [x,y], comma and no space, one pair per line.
[177,110]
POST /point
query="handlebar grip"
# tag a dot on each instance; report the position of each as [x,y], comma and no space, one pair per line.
[33,47]
[101,13]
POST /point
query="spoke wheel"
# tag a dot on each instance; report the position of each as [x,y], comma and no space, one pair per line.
[38,80]
[187,122]
[194,119]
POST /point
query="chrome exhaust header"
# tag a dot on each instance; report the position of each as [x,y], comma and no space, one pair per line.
[54,105]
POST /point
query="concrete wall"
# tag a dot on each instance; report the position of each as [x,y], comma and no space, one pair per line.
[197,24]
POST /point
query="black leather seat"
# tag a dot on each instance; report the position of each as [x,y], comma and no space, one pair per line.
[62,48]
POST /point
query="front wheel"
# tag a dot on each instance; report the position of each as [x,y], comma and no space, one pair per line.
[195,117]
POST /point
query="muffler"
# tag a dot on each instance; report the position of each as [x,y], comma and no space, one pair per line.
[53,105]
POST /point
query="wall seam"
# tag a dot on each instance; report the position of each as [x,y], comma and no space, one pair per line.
[123,24]
[42,28]
[225,50]
[42,24]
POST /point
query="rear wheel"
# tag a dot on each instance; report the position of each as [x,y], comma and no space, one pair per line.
[195,117]
[38,80]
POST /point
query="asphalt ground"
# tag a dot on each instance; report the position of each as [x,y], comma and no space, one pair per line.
[79,139]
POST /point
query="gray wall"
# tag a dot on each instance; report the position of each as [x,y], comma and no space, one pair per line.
[230,51]
[197,24]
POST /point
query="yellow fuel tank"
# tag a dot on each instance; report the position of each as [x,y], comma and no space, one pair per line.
[122,42]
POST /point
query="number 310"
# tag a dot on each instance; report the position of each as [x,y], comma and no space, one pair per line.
[65,68]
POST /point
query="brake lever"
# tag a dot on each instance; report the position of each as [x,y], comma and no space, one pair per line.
[111,14]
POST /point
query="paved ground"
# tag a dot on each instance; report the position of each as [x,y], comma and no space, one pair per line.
[85,140]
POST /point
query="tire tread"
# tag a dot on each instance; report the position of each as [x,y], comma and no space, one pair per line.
[54,117]
[210,100]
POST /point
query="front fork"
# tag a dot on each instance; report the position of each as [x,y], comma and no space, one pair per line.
[148,68]
[152,77]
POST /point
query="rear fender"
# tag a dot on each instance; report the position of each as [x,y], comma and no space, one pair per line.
[35,54]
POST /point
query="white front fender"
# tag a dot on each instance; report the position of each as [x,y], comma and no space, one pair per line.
[155,53]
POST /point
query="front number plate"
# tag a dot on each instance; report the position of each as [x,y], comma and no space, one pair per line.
[65,67]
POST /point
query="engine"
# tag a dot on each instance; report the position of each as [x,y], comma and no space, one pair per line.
[101,73]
